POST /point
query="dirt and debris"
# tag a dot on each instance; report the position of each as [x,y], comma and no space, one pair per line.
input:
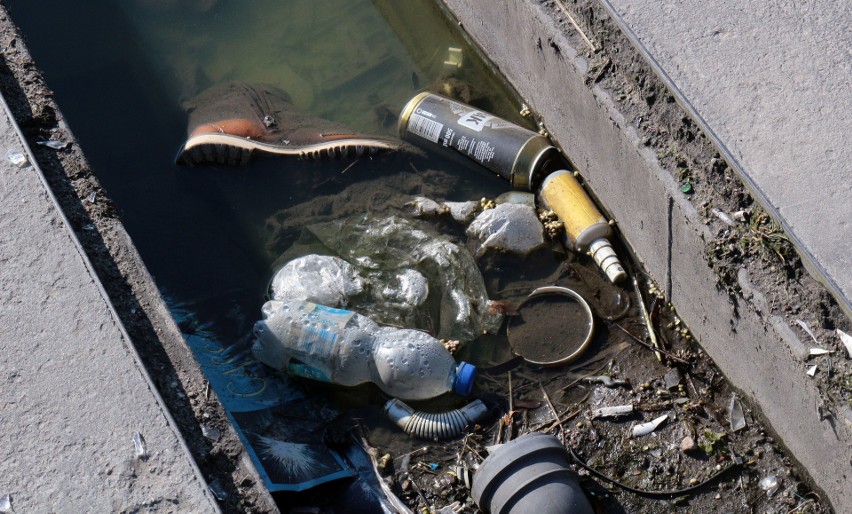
[745,236]
[694,443]
[656,426]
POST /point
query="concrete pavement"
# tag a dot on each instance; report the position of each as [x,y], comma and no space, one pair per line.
[74,390]
[772,82]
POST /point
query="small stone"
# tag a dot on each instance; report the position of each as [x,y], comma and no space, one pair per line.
[693,481]
[687,444]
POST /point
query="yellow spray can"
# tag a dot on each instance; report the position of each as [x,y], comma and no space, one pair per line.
[586,229]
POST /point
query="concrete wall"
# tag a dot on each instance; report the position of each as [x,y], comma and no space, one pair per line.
[758,352]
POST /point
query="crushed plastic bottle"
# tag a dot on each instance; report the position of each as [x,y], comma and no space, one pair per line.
[345,348]
[412,276]
[322,279]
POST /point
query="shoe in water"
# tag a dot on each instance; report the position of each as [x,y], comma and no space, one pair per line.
[230,123]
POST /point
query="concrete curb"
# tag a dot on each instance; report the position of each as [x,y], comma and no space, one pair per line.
[759,354]
[80,392]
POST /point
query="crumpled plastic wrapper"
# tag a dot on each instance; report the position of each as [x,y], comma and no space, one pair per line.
[509,227]
[412,275]
[321,279]
[461,212]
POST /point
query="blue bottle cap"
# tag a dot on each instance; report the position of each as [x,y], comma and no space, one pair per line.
[465,374]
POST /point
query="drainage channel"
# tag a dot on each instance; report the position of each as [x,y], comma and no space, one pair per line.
[704,431]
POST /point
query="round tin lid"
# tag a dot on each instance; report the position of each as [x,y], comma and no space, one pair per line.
[553,327]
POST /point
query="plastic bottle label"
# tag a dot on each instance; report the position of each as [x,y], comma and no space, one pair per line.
[303,370]
[320,334]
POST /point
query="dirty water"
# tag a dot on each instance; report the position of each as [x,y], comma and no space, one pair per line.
[211,236]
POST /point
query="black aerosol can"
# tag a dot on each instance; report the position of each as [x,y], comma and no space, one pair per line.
[515,153]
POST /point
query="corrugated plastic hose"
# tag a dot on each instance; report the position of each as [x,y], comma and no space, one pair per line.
[434,425]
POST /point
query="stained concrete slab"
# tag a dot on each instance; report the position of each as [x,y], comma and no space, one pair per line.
[773,82]
[758,352]
[74,391]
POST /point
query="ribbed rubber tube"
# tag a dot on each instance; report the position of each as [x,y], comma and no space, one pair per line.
[434,425]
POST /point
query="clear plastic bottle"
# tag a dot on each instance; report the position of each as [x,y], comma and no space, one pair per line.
[343,347]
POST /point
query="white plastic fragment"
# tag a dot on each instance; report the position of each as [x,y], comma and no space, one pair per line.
[613,411]
[56,145]
[17,158]
[509,227]
[6,504]
[812,371]
[646,428]
[210,433]
[769,484]
[807,329]
[846,339]
[818,351]
[140,446]
[722,215]
[735,414]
